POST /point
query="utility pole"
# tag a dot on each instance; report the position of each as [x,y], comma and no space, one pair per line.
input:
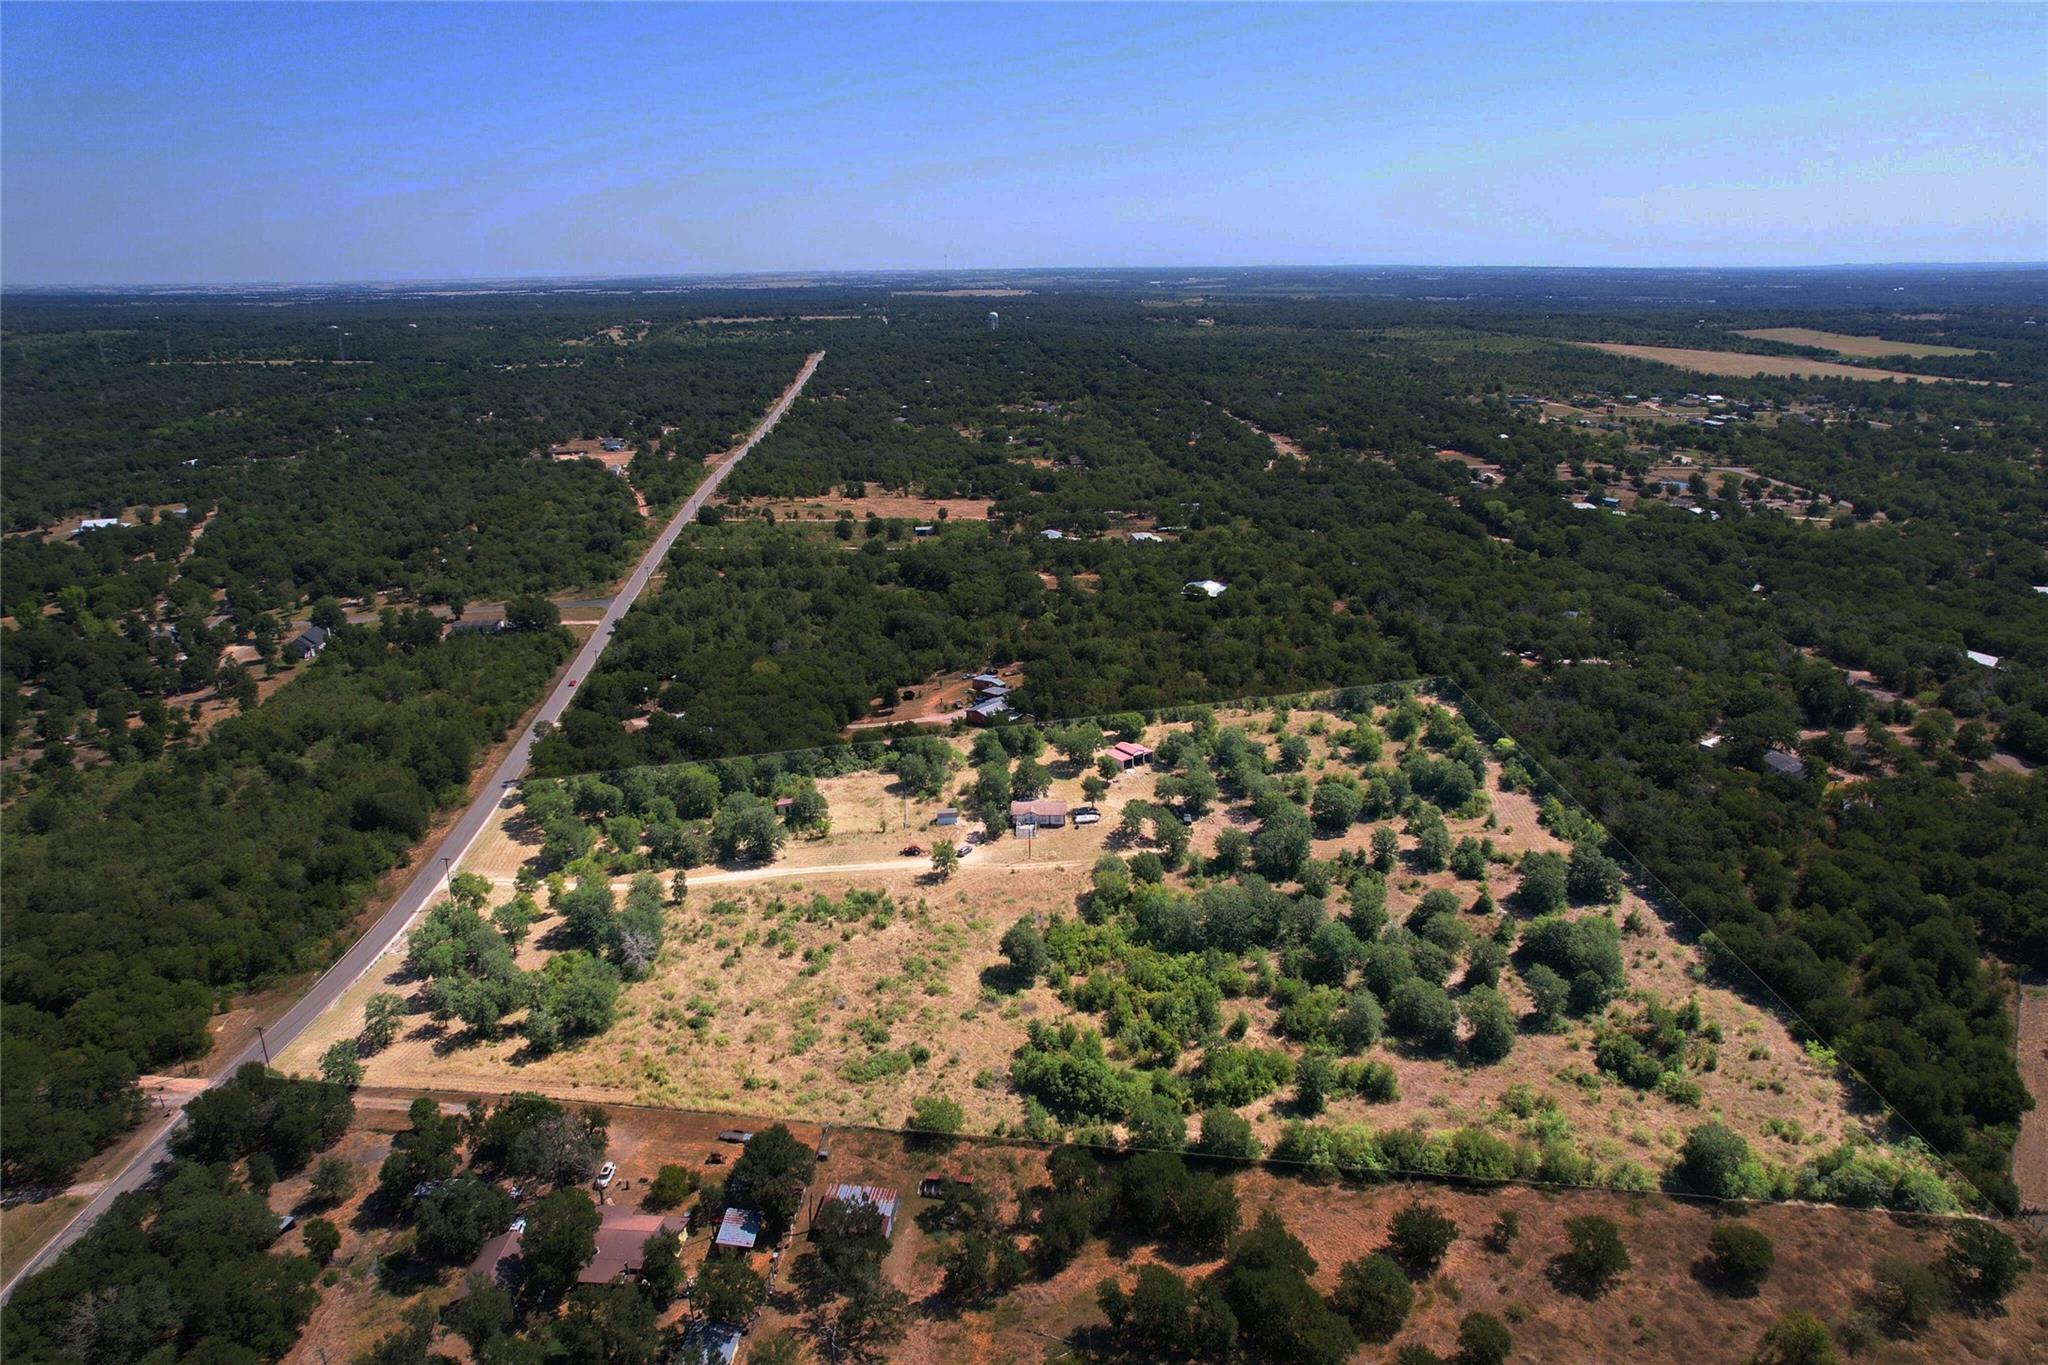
[263,1043]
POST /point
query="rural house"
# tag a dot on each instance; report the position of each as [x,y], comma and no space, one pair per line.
[1788,765]
[988,711]
[1044,813]
[308,644]
[621,1243]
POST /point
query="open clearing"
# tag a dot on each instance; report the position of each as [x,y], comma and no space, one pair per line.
[1737,364]
[874,500]
[771,995]
[1844,343]
[2030,1156]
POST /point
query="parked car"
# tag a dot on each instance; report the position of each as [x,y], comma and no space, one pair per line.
[913,851]
[605,1174]
[518,1225]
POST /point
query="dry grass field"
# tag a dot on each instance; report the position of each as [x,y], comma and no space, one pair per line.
[1737,364]
[1666,1308]
[765,999]
[876,500]
[1844,343]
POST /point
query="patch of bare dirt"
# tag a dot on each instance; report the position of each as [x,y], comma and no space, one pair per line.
[2030,1156]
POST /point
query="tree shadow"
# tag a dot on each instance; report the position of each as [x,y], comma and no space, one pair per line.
[1706,1274]
[1003,979]
[1567,1278]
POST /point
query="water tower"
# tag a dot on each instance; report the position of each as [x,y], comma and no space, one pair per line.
[994,320]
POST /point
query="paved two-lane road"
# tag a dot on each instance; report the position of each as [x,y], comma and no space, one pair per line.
[429,880]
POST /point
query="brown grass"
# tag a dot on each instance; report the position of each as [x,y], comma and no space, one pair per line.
[1737,364]
[2030,1156]
[886,505]
[1844,343]
[753,1006]
[1664,1309]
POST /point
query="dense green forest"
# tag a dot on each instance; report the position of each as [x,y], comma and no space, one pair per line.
[140,897]
[1608,645]
[184,1269]
[265,475]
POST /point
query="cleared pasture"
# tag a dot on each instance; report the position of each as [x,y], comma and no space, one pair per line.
[1741,365]
[1850,344]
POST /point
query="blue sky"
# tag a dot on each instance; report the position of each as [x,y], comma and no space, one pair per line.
[173,143]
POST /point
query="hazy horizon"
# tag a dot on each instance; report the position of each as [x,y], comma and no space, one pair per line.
[283,145]
[799,276]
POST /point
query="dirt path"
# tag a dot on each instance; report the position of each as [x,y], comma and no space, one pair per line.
[762,874]
[2030,1155]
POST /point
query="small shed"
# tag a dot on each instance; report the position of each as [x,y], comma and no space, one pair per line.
[783,803]
[1788,765]
[935,1184]
[947,816]
[738,1231]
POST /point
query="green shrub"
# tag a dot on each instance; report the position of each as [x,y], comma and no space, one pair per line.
[1420,1236]
[1483,1340]
[1983,1264]
[1374,1295]
[1596,1254]
[1742,1256]
[1906,1295]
